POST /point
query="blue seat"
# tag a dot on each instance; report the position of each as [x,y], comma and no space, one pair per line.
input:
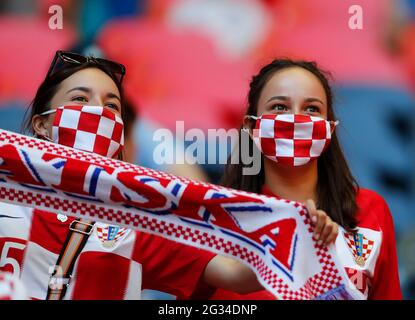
[376,132]
[11,116]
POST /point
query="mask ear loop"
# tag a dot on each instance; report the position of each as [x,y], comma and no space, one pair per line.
[44,136]
[41,136]
[247,130]
[47,112]
[333,125]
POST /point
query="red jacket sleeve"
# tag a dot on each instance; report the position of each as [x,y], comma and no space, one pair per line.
[386,285]
[169,266]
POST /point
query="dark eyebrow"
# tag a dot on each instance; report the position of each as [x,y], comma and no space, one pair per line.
[285,98]
[88,90]
[84,89]
[113,95]
[314,100]
[278,98]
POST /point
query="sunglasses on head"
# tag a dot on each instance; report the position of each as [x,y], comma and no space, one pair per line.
[64,58]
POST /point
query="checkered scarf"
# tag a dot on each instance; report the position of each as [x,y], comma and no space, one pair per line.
[271,236]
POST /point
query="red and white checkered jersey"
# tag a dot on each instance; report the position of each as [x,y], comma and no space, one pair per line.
[116,263]
[369,257]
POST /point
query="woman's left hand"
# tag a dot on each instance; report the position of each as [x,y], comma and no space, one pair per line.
[326,230]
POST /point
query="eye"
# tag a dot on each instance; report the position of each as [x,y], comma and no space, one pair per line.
[113,106]
[312,109]
[80,99]
[279,107]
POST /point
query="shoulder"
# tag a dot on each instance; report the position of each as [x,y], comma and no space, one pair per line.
[366,195]
[369,199]
[372,208]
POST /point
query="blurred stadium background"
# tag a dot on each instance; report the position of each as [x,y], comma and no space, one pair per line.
[192,60]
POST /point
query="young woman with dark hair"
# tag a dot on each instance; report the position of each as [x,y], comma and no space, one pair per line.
[290,118]
[79,103]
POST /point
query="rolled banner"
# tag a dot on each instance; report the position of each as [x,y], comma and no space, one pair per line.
[271,236]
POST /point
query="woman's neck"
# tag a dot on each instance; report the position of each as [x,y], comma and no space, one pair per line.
[293,183]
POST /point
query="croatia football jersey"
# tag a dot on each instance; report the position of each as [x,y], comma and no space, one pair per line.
[368,256]
[116,263]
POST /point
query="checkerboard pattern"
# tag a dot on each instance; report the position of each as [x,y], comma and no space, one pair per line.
[329,278]
[110,233]
[292,139]
[45,146]
[361,279]
[89,128]
[367,245]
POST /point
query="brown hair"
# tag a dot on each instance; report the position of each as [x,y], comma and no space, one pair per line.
[336,188]
[50,86]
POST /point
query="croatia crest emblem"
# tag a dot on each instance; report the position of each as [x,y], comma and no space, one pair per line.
[109,235]
[360,246]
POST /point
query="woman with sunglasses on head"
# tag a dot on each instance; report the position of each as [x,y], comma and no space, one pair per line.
[80,105]
[290,119]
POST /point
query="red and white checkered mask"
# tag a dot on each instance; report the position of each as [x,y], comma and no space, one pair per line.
[292,139]
[88,128]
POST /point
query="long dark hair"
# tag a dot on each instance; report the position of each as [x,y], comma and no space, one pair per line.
[336,188]
[50,86]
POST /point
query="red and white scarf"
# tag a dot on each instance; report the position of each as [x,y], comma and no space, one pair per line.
[272,236]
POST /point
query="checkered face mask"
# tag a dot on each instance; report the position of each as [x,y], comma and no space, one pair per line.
[88,128]
[292,139]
